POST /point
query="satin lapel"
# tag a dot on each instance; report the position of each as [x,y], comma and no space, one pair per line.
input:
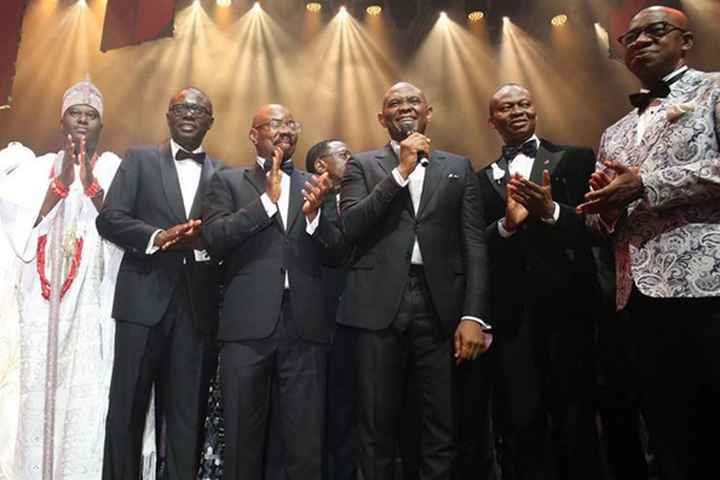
[499,185]
[257,178]
[206,173]
[544,160]
[297,181]
[171,183]
[434,176]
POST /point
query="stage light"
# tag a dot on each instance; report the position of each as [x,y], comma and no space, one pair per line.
[257,8]
[343,13]
[82,3]
[443,16]
[313,7]
[475,16]
[374,9]
[559,20]
[506,19]
[224,3]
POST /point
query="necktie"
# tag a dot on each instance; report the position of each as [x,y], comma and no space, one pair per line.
[184,155]
[529,148]
[661,89]
[286,166]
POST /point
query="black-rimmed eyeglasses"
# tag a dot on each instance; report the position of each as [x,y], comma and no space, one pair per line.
[655,30]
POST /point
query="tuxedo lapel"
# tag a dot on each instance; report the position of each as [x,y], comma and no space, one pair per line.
[171,183]
[208,169]
[297,181]
[434,173]
[544,160]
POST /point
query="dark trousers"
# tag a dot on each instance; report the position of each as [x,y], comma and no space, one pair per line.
[411,350]
[178,361]
[298,370]
[545,398]
[677,366]
[341,431]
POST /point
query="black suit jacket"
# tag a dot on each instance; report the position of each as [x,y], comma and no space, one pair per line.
[144,197]
[257,252]
[379,220]
[548,268]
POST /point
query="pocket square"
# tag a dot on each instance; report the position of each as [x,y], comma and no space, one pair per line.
[453,176]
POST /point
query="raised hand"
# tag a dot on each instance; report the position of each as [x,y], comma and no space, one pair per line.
[273,187]
[409,148]
[67,173]
[515,212]
[182,236]
[314,194]
[535,198]
[86,167]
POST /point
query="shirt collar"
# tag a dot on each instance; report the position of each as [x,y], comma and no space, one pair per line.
[667,77]
[535,138]
[174,148]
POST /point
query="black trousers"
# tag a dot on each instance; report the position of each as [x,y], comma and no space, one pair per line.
[544,397]
[298,370]
[411,351]
[677,367]
[178,361]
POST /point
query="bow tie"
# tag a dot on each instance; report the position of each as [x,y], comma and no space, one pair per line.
[185,155]
[286,166]
[641,100]
[529,148]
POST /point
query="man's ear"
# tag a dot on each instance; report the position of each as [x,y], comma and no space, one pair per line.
[252,135]
[320,166]
[688,42]
[381,119]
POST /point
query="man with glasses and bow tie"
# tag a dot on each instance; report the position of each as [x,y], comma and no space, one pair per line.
[273,228]
[656,192]
[542,290]
[166,298]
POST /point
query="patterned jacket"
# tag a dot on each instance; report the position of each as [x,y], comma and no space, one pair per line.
[668,243]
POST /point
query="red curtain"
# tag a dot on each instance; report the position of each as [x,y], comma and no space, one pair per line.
[129,22]
[11,15]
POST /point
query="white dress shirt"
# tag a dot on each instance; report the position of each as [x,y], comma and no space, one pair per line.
[523,165]
[283,205]
[414,182]
[188,173]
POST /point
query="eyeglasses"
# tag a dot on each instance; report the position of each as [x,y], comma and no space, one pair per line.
[342,155]
[655,30]
[182,109]
[88,114]
[276,124]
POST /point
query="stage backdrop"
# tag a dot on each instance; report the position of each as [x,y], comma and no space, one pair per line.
[332,70]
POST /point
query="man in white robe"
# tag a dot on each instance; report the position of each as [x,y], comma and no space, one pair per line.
[56,197]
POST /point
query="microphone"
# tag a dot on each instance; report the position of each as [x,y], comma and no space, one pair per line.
[423,159]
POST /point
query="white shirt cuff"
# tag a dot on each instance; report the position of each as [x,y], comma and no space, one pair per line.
[398,178]
[270,207]
[555,216]
[312,226]
[504,233]
[484,325]
[151,248]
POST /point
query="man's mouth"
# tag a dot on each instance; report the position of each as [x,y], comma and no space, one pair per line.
[187,127]
[283,141]
[520,122]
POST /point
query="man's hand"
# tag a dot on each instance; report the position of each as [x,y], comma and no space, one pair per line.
[515,212]
[612,195]
[67,174]
[535,198]
[409,148]
[314,194]
[184,235]
[470,341]
[86,167]
[273,188]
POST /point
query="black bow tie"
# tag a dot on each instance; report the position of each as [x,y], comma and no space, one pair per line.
[185,155]
[641,100]
[529,148]
[286,166]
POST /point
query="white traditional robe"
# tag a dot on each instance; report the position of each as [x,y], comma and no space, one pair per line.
[85,331]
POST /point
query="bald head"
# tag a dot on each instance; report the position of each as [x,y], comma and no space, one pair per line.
[512,113]
[404,109]
[505,89]
[656,43]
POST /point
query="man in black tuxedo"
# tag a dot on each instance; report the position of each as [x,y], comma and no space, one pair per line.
[166,298]
[270,226]
[416,285]
[542,292]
